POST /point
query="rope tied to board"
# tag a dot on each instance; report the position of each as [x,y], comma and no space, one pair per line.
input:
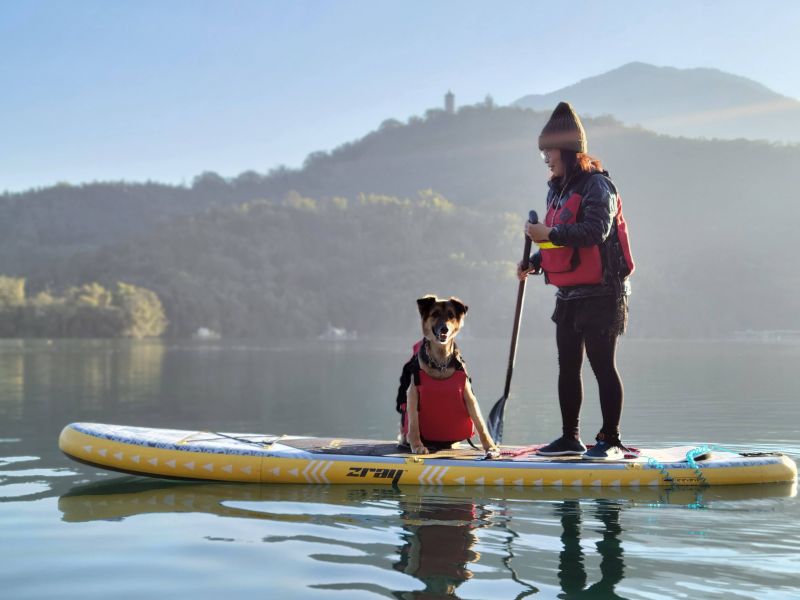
[693,457]
[263,442]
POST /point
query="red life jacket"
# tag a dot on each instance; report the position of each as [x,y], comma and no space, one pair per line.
[442,413]
[566,265]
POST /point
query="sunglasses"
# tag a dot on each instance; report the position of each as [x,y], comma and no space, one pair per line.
[545,154]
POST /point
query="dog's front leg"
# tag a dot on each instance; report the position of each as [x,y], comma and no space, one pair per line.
[412,405]
[480,425]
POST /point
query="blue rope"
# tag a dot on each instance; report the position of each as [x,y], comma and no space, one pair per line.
[660,467]
[692,454]
[691,457]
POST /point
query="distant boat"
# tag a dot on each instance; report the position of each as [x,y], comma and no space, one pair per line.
[204,333]
[337,334]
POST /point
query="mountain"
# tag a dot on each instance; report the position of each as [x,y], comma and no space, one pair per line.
[681,102]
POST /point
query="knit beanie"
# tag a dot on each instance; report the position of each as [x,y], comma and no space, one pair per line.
[564,130]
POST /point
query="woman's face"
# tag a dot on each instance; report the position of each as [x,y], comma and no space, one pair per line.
[552,158]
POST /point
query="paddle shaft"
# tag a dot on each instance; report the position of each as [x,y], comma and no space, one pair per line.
[495,421]
[512,355]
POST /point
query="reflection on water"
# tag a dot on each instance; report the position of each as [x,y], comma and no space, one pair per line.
[129,496]
[12,380]
[571,564]
[439,528]
[41,378]
[439,540]
[298,542]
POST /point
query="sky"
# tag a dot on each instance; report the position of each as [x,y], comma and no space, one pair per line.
[151,90]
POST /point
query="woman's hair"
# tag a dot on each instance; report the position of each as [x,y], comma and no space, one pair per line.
[575,162]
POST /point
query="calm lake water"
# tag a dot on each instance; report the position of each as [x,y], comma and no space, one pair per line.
[72,531]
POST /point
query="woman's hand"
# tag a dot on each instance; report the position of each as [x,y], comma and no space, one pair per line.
[538,232]
[521,275]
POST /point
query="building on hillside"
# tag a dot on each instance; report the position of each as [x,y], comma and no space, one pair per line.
[449,102]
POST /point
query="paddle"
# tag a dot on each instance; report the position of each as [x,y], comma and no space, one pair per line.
[495,422]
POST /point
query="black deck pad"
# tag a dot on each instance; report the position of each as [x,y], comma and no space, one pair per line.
[361,447]
[341,446]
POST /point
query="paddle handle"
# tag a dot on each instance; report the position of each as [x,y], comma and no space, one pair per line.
[512,355]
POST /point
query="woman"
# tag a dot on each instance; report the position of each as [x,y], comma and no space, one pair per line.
[584,251]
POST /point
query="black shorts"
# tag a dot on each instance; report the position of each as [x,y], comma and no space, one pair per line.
[594,315]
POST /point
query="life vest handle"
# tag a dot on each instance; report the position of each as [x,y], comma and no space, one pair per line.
[548,246]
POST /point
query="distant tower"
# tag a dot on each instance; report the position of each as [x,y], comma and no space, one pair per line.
[449,102]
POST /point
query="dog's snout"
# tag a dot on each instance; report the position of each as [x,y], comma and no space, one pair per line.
[441,330]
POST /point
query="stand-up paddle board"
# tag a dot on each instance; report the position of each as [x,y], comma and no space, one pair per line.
[261,458]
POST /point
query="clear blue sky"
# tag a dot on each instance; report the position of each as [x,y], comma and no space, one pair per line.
[163,90]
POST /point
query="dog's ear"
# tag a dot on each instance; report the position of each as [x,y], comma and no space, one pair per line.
[425,304]
[461,308]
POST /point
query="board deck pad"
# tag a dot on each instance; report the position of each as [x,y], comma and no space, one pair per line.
[262,458]
[356,447]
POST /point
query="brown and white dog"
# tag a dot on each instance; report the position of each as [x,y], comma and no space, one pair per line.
[439,358]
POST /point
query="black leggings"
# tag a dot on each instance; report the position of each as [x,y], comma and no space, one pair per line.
[601,348]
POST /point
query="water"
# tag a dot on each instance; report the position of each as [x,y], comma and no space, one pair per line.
[72,531]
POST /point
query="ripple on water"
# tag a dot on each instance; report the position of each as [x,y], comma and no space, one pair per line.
[10,460]
[60,472]
[309,508]
[19,490]
[18,481]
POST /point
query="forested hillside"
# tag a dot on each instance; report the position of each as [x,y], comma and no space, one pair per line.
[350,239]
[290,268]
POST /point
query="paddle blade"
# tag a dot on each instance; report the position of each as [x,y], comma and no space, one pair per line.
[495,421]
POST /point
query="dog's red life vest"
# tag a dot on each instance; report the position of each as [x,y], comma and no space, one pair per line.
[443,416]
[566,265]
[442,413]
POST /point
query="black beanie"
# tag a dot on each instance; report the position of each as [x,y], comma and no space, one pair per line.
[564,130]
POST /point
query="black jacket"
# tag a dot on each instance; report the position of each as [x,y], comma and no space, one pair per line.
[595,226]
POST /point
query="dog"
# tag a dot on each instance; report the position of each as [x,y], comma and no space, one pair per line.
[440,407]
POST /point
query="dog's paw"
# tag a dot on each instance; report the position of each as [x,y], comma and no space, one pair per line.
[492,453]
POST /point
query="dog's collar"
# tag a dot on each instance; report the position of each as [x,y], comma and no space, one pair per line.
[429,361]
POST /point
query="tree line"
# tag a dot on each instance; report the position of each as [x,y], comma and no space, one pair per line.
[89,310]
